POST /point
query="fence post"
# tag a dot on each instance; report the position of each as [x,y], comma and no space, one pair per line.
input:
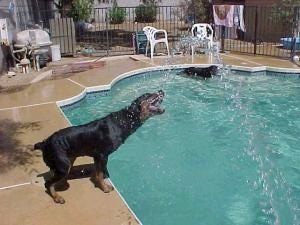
[106,29]
[295,31]
[255,31]
[222,50]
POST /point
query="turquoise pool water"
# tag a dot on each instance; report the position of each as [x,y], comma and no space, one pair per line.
[226,151]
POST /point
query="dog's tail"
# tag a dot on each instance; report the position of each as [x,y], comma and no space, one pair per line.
[39,145]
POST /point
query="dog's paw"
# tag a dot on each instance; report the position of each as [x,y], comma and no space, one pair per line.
[58,199]
[106,188]
[110,187]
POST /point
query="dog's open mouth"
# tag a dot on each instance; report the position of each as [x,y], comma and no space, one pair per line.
[155,102]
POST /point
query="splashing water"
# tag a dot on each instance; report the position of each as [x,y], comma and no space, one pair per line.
[184,46]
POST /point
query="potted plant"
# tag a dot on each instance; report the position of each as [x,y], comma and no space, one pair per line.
[81,10]
[146,12]
[116,14]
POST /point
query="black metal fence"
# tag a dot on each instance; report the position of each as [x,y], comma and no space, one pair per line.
[264,28]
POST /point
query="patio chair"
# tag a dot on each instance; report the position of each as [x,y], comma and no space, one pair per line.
[155,36]
[203,32]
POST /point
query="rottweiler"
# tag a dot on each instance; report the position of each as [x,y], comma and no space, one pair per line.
[97,139]
[202,72]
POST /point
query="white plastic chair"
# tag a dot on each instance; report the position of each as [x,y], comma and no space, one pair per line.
[153,38]
[204,32]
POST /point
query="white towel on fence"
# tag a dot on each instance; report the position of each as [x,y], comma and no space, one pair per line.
[240,9]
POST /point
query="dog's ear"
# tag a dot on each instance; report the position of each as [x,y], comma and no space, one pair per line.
[213,70]
[134,107]
[136,104]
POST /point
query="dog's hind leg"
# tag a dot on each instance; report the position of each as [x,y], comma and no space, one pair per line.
[101,170]
[63,183]
[60,175]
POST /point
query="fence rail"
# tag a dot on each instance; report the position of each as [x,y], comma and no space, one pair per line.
[265,26]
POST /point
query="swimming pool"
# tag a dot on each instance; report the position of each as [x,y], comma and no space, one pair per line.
[226,151]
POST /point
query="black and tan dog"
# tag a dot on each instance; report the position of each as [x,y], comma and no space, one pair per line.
[96,139]
[201,72]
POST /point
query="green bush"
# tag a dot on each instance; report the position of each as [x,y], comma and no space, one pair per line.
[81,9]
[116,14]
[145,13]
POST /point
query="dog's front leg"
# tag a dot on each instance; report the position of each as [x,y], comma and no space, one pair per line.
[100,165]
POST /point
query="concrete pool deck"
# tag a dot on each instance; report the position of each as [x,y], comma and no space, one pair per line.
[30,114]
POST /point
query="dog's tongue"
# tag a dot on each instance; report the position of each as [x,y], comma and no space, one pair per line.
[153,108]
[156,109]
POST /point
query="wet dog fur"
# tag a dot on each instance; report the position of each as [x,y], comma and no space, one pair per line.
[201,72]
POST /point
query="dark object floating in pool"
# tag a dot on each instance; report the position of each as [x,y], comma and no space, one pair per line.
[203,72]
[97,139]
